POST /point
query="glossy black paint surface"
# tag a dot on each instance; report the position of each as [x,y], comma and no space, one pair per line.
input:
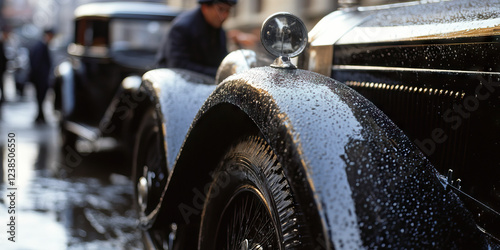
[357,177]
[461,54]
[440,86]
[361,181]
[95,85]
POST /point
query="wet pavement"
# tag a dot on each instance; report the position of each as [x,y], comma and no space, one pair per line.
[51,206]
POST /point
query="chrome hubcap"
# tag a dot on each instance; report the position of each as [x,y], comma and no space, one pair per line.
[143,187]
[142,190]
[245,245]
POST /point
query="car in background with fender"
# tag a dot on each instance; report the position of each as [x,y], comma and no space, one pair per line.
[349,150]
[114,44]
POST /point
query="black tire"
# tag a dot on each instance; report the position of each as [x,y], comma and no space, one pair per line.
[250,203]
[149,164]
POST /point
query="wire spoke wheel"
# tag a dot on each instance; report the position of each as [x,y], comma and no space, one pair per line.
[247,224]
[250,204]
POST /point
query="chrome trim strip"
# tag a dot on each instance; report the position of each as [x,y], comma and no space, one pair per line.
[322,34]
[476,28]
[322,40]
[397,5]
[382,68]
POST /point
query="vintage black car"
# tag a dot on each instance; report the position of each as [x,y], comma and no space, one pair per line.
[114,44]
[354,156]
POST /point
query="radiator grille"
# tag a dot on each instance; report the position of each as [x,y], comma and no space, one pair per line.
[419,112]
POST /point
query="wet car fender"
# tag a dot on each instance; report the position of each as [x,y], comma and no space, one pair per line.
[177,95]
[358,179]
[124,111]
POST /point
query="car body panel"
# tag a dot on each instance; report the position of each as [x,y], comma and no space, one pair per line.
[179,95]
[348,165]
[433,69]
[359,180]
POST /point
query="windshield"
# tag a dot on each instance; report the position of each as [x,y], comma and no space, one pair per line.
[134,42]
[143,35]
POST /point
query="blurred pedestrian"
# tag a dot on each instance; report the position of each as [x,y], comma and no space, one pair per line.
[41,65]
[196,40]
[3,62]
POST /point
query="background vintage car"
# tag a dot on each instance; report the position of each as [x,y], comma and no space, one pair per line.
[112,41]
[284,158]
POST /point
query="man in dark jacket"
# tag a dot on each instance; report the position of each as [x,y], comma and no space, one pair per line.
[3,62]
[41,66]
[196,40]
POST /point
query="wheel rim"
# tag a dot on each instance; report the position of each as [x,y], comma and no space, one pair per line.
[246,223]
[250,204]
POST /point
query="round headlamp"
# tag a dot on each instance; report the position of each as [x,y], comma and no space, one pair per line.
[284,35]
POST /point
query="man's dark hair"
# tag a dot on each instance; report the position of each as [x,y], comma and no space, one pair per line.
[230,2]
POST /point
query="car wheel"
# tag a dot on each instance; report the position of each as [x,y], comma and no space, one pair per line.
[149,169]
[250,204]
